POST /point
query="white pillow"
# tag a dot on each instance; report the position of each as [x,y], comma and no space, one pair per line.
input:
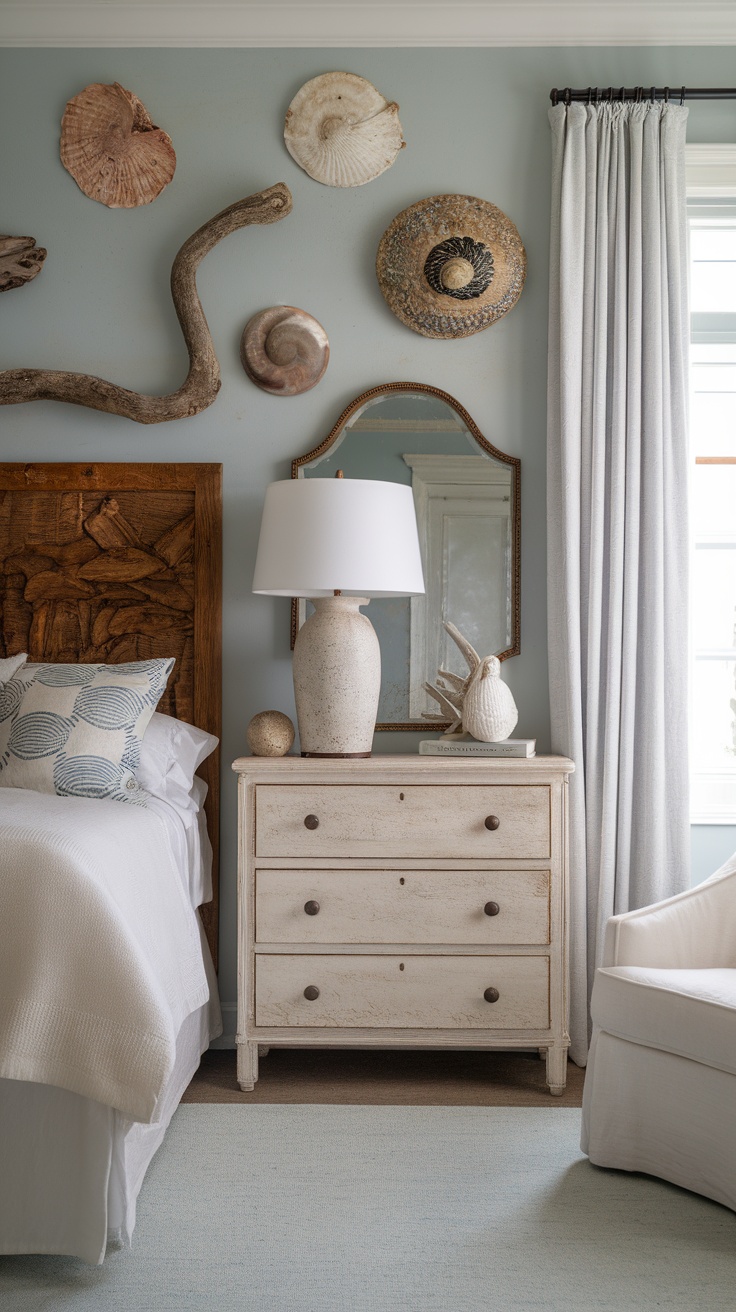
[9,665]
[170,752]
[76,730]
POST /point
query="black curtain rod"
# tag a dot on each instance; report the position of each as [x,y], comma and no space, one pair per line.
[605,95]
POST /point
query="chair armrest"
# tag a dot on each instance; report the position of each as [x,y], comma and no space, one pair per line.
[694,930]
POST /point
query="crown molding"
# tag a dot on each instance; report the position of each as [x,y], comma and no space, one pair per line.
[367,23]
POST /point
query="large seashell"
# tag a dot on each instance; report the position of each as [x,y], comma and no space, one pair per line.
[341,131]
[112,149]
[489,710]
[284,350]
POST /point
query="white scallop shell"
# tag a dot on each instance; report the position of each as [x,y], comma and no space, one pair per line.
[341,131]
[489,710]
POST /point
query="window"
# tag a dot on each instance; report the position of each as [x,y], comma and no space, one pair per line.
[712,222]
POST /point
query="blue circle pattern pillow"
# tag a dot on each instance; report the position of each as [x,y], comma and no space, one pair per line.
[76,730]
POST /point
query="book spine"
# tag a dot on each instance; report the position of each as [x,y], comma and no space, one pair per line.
[430,748]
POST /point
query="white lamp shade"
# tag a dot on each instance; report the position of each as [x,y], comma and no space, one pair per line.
[322,534]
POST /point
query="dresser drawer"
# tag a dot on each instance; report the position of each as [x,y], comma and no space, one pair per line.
[402,906]
[407,992]
[412,821]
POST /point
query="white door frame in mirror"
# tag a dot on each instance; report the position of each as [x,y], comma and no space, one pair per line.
[448,492]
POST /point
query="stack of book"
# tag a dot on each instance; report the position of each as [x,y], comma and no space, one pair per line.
[463,745]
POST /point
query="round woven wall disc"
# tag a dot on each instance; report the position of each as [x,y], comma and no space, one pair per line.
[284,350]
[450,266]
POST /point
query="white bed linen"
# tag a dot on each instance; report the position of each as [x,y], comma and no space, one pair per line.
[134,1143]
[190,840]
[100,954]
[71,1167]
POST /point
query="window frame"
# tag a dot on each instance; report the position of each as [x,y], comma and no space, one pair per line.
[710,176]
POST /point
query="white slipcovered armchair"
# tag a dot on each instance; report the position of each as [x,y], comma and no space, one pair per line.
[660,1088]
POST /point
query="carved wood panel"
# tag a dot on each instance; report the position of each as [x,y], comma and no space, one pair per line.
[113,563]
[105,579]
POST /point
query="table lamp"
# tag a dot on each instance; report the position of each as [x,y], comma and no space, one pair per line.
[338,542]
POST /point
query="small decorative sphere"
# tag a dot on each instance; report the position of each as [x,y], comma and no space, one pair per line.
[270,733]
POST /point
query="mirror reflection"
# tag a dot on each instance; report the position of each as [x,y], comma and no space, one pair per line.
[466,494]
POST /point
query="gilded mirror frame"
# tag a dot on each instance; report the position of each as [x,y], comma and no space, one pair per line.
[424,389]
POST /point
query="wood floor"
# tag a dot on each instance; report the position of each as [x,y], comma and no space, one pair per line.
[430,1079]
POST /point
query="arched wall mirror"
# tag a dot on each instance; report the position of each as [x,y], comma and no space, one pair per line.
[467,498]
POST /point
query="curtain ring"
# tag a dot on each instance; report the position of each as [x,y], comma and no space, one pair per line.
[638,93]
[567,95]
[610,95]
[597,96]
[553,96]
[666,95]
[682,96]
[653,94]
[622,95]
[590,94]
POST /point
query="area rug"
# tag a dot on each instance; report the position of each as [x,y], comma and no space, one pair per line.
[393,1209]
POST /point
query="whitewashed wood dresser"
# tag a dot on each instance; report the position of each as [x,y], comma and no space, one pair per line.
[403,901]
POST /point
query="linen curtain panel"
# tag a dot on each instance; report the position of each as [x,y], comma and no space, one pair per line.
[617,476]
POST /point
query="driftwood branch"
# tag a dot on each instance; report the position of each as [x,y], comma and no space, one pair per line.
[20,260]
[203,380]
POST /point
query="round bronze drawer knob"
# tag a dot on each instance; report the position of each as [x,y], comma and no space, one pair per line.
[311,822]
[491,822]
[311,908]
[311,992]
[490,908]
[491,995]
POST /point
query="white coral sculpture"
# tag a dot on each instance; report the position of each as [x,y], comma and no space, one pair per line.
[480,704]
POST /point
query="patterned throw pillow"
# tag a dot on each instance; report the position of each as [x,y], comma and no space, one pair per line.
[76,729]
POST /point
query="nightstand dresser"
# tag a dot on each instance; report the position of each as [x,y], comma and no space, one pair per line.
[402,902]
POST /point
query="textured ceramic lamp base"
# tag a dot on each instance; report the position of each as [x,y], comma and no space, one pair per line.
[337,679]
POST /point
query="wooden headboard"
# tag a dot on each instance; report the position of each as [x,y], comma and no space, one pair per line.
[121,562]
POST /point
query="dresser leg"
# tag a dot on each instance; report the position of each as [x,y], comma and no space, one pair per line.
[557,1069]
[247,1066]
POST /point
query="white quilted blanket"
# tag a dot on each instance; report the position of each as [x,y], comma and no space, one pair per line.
[100,957]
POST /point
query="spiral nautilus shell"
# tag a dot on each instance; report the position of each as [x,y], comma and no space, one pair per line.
[450,266]
[284,350]
[112,149]
[341,131]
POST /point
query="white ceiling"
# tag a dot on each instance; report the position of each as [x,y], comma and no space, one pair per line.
[356,23]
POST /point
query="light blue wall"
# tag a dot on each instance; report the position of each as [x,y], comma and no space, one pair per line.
[475,121]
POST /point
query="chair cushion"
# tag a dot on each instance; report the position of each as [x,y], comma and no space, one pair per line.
[689,1012]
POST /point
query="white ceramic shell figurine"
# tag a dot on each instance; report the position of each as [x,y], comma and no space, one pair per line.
[341,130]
[481,703]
